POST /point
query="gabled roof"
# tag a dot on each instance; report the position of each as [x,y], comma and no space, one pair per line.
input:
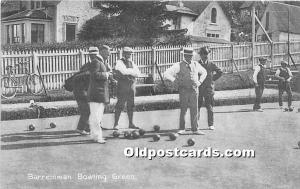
[183,10]
[196,7]
[279,14]
[32,14]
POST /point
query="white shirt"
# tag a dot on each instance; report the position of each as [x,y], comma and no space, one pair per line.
[289,71]
[256,70]
[121,67]
[170,74]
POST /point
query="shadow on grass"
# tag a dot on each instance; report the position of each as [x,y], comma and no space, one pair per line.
[15,137]
[43,144]
[243,110]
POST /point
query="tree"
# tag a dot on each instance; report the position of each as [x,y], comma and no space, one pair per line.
[136,18]
[98,27]
[241,22]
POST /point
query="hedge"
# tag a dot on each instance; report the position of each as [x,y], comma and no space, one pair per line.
[112,42]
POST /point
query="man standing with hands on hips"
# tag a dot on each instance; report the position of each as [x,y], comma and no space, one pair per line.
[98,92]
[126,72]
[206,90]
[186,73]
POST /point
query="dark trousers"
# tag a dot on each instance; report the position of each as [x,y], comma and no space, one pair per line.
[258,92]
[285,87]
[84,110]
[208,96]
[128,98]
[188,99]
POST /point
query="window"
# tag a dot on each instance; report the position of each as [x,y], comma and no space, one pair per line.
[16,33]
[7,35]
[215,35]
[267,20]
[37,33]
[213,15]
[23,33]
[70,32]
[177,23]
[38,4]
[93,3]
[32,4]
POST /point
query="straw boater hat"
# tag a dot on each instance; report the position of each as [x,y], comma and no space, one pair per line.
[188,51]
[93,50]
[128,50]
[283,62]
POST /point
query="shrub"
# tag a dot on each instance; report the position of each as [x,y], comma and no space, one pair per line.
[117,42]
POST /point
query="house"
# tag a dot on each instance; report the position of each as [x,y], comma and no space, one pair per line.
[32,21]
[205,21]
[281,21]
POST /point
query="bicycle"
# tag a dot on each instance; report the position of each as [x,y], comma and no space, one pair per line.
[11,81]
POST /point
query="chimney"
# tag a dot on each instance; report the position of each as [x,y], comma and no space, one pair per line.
[179,3]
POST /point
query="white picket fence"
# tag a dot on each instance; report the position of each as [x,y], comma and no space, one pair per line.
[57,66]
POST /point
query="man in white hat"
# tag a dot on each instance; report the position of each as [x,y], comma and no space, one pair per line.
[98,92]
[284,75]
[186,73]
[126,73]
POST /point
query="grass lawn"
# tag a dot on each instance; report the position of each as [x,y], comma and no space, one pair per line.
[272,134]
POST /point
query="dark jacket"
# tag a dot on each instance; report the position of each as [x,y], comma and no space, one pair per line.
[283,76]
[81,85]
[98,90]
[211,77]
[261,76]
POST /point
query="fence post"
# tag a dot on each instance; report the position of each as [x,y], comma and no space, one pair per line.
[81,57]
[272,55]
[153,56]
[34,62]
[232,58]
[120,53]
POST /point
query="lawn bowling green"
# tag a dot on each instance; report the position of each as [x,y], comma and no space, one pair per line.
[273,134]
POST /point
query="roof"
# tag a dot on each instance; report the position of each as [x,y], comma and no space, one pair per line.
[197,7]
[33,14]
[279,14]
[183,10]
[208,39]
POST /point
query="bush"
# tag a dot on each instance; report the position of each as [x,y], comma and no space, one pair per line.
[112,42]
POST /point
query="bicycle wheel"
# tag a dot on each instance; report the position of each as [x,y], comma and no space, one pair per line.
[34,84]
[8,89]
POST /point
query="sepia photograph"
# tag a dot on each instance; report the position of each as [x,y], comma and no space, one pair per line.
[150,94]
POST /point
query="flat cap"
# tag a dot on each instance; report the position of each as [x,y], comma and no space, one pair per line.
[262,59]
[284,62]
[128,49]
[204,50]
